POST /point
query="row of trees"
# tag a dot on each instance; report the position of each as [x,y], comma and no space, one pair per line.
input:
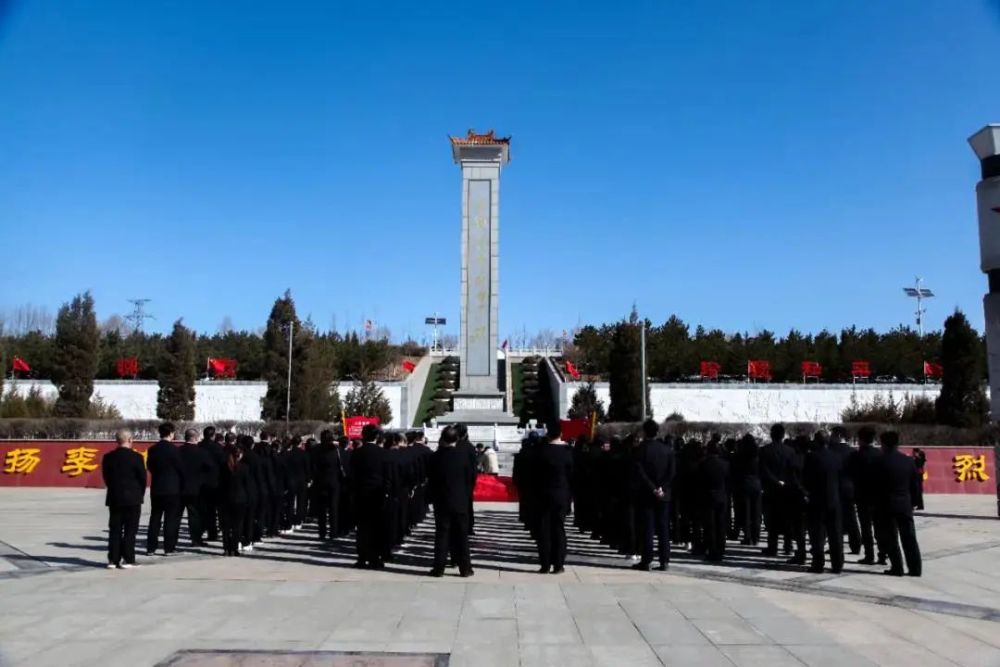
[77,350]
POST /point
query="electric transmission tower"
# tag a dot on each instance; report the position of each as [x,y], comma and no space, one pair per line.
[139,315]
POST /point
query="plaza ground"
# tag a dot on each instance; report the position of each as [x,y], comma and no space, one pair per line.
[59,606]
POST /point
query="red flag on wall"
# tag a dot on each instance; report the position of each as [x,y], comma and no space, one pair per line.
[811,369]
[408,365]
[933,370]
[710,370]
[571,369]
[860,369]
[571,429]
[20,366]
[222,368]
[759,369]
[354,425]
[127,367]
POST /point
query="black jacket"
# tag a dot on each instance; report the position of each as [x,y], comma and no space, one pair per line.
[774,462]
[125,476]
[216,460]
[821,477]
[196,467]
[846,454]
[328,469]
[714,478]
[255,477]
[655,467]
[164,462]
[898,483]
[368,468]
[234,487]
[297,463]
[448,480]
[864,470]
[555,470]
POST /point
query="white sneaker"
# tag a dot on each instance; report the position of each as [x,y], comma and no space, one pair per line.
[239,547]
[636,558]
[112,566]
[128,566]
[248,547]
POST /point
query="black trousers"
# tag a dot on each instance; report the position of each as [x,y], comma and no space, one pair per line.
[826,526]
[451,538]
[898,528]
[368,538]
[552,535]
[655,519]
[165,510]
[247,536]
[750,502]
[210,511]
[232,517]
[774,518]
[849,520]
[192,505]
[328,504]
[716,521]
[123,525]
[301,494]
[796,536]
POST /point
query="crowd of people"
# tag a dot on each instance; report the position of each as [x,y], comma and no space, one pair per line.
[625,493]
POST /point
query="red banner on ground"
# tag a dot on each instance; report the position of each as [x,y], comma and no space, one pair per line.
[354,425]
[574,428]
[493,489]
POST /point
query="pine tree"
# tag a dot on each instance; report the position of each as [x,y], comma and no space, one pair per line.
[365,399]
[76,356]
[962,401]
[312,395]
[276,356]
[175,400]
[626,372]
[585,403]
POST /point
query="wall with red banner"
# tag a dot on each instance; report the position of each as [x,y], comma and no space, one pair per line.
[77,463]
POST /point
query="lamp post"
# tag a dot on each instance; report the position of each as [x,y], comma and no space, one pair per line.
[919,293]
[288,387]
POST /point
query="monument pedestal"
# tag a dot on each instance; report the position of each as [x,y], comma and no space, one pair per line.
[478,409]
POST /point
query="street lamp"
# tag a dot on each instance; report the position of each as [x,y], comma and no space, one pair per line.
[288,389]
[919,293]
[435,322]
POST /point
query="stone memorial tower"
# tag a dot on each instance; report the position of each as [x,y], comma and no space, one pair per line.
[478,399]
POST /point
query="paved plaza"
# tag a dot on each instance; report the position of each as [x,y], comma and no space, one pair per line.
[294,602]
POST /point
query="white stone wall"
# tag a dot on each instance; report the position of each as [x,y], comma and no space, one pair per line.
[758,403]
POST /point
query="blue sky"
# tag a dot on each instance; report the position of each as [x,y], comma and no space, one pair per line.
[744,165]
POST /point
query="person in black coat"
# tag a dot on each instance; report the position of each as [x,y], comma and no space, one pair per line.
[195,462]
[554,472]
[297,463]
[655,469]
[125,478]
[920,461]
[167,472]
[234,496]
[747,484]
[899,486]
[822,478]
[714,487]
[774,462]
[255,493]
[216,459]
[368,467]
[863,469]
[449,490]
[464,445]
[795,502]
[849,517]
[329,474]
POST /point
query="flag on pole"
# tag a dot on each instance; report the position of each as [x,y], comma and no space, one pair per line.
[20,366]
[408,365]
[933,370]
[571,369]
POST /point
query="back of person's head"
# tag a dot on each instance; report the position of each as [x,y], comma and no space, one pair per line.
[712,449]
[462,431]
[123,437]
[838,434]
[889,439]
[191,436]
[233,455]
[219,438]
[777,433]
[231,438]
[650,428]
[819,440]
[166,430]
[449,436]
[208,433]
[326,436]
[866,435]
[342,442]
[553,430]
[370,433]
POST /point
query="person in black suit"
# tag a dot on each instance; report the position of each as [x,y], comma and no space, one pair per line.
[449,491]
[328,476]
[167,473]
[125,478]
[714,487]
[899,485]
[195,463]
[655,469]
[368,467]
[298,478]
[554,472]
[849,517]
[795,501]
[748,486]
[822,478]
[255,493]
[774,462]
[464,445]
[233,497]
[863,469]
[216,459]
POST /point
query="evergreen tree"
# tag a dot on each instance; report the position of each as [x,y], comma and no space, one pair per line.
[626,372]
[585,403]
[312,395]
[276,356]
[175,399]
[962,401]
[76,356]
[365,399]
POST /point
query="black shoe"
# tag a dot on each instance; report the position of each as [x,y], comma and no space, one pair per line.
[543,569]
[797,560]
[816,569]
[836,570]
[360,565]
[881,561]
[663,567]
[378,565]
[558,570]
[855,552]
[641,566]
[769,552]
[466,574]
[436,573]
[913,574]
[893,573]
[867,560]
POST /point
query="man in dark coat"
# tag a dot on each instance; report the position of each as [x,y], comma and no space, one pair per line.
[368,467]
[195,462]
[328,476]
[655,468]
[822,474]
[849,518]
[125,478]
[297,463]
[167,472]
[210,501]
[714,487]
[863,469]
[899,485]
[773,466]
[554,471]
[465,446]
[449,490]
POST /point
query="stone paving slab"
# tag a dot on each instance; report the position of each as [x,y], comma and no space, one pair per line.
[58,606]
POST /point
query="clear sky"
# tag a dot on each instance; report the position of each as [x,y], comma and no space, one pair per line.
[744,165]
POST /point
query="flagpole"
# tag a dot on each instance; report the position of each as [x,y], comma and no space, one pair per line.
[288,389]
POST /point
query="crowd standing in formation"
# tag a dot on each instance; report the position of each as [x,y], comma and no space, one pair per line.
[624,492]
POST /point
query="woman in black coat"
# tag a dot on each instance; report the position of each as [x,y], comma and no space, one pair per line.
[235,498]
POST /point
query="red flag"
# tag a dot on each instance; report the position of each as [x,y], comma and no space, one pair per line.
[20,365]
[222,368]
[759,369]
[710,370]
[408,365]
[933,370]
[571,369]
[127,367]
[811,369]
[571,429]
[860,369]
[354,425]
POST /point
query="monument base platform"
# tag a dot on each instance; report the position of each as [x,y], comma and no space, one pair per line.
[479,418]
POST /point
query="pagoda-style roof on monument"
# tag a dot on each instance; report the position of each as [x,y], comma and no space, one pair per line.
[472,145]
